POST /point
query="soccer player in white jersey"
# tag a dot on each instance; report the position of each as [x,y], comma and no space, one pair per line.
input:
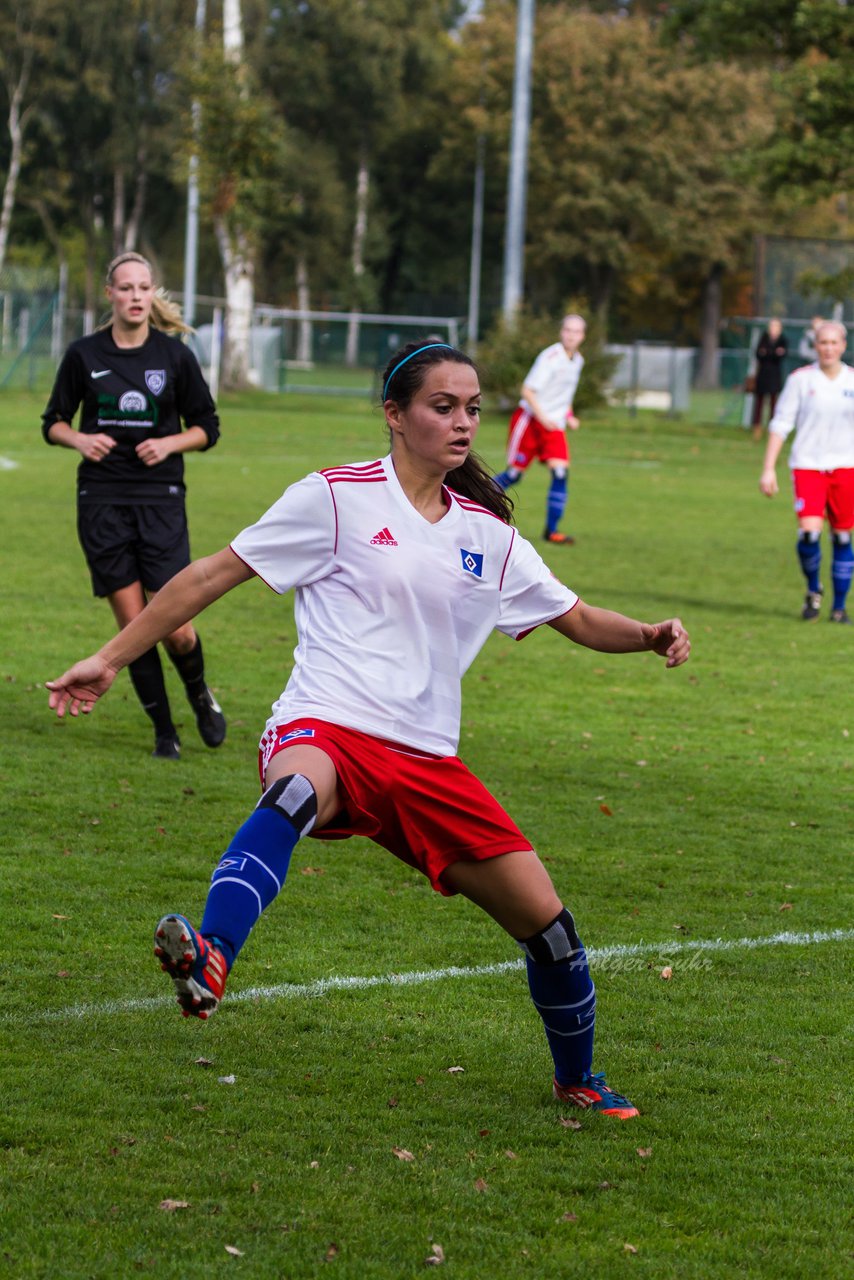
[818,405]
[402,568]
[538,425]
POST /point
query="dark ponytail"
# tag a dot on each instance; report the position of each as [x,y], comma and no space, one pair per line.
[403,377]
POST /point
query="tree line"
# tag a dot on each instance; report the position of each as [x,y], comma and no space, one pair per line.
[336,143]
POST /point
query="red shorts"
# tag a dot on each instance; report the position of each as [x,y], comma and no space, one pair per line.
[528,439]
[827,494]
[429,811]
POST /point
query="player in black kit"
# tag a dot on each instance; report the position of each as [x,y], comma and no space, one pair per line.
[136,382]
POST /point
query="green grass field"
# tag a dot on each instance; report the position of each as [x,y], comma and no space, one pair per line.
[708,804]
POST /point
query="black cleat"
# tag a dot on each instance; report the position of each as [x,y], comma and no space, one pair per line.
[209,719]
[167,748]
[812,606]
[839,615]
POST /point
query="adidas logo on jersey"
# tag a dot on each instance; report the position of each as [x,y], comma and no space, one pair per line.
[383,539]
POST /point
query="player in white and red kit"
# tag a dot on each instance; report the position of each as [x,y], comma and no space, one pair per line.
[817,403]
[538,426]
[402,568]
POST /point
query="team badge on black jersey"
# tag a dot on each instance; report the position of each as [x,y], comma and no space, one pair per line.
[472,562]
[155,380]
[133,402]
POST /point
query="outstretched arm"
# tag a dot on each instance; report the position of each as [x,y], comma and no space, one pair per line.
[183,597]
[610,632]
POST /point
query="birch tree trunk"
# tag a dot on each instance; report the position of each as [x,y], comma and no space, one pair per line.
[304,351]
[234,245]
[17,121]
[239,269]
[358,258]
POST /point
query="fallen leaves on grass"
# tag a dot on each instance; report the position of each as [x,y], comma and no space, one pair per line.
[786,906]
[204,1062]
[437,1256]
[609,813]
[569,1217]
[226,1079]
[234,1251]
[480,1184]
[402,1153]
[643,1152]
[169,1206]
[666,972]
[452,1071]
[312,871]
[331,1253]
[630,1248]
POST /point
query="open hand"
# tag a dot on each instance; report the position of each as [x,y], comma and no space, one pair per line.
[80,687]
[768,482]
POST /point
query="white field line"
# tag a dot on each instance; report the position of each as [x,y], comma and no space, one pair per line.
[616,957]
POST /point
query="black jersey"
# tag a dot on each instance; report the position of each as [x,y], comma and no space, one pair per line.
[131,394]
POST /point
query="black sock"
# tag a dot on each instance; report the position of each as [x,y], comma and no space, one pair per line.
[191,668]
[146,674]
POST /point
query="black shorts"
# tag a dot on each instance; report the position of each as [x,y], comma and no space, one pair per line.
[123,544]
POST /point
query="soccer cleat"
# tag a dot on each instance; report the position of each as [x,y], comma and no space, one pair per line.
[209,718]
[812,606]
[167,747]
[560,539]
[198,970]
[592,1093]
[839,615]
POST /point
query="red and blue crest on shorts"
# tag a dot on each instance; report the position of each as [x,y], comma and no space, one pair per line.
[295,733]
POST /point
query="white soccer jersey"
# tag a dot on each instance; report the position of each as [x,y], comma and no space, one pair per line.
[821,412]
[554,376]
[390,609]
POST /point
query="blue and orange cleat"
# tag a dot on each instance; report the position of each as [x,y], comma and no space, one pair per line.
[592,1093]
[198,970]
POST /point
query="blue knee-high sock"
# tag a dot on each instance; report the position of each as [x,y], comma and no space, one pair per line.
[565,999]
[556,500]
[504,479]
[809,554]
[842,567]
[253,868]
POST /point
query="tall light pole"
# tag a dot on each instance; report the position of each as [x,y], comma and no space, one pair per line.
[517,181]
[476,244]
[191,234]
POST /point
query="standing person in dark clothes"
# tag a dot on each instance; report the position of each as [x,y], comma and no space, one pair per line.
[771,350]
[134,382]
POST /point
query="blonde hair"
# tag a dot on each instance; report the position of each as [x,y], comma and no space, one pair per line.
[165,314]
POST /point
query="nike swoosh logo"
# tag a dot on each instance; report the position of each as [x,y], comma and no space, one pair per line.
[100,373]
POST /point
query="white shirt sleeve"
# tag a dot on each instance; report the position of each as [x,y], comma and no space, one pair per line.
[788,406]
[530,593]
[540,373]
[294,541]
